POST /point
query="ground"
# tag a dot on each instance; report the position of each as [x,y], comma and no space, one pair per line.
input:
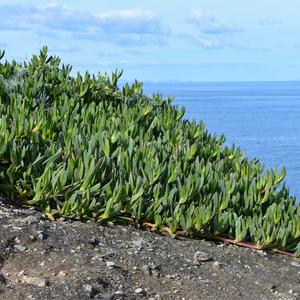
[63,259]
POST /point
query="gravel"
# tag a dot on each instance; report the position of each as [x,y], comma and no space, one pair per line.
[88,260]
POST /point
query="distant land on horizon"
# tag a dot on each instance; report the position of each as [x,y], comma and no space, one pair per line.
[123,81]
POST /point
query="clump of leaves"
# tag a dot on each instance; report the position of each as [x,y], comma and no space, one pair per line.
[83,147]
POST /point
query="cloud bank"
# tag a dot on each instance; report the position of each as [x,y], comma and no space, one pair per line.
[209,24]
[122,27]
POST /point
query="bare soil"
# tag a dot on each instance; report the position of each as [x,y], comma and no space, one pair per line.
[42,259]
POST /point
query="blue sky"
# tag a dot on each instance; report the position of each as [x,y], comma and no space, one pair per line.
[208,40]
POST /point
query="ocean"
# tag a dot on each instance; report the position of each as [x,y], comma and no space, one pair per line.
[262,118]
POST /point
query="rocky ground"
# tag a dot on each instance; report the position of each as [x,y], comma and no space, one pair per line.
[42,259]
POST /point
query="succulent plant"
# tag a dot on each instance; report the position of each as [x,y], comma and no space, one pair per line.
[84,148]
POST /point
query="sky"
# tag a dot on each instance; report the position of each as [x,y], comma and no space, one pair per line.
[203,40]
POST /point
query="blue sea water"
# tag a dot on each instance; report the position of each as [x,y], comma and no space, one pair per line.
[263,118]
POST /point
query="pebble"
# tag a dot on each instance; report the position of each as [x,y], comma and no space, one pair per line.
[22,272]
[94,242]
[138,244]
[88,288]
[42,264]
[30,220]
[200,256]
[20,248]
[295,264]
[216,264]
[108,296]
[41,235]
[98,257]
[262,253]
[62,274]
[119,293]
[139,291]
[110,264]
[17,228]
[156,271]
[146,269]
[37,281]
[151,270]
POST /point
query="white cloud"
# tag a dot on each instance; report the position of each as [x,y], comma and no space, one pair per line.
[209,24]
[126,14]
[131,21]
[58,17]
[203,41]
[122,27]
[208,43]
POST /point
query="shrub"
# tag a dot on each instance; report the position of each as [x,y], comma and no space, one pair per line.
[82,147]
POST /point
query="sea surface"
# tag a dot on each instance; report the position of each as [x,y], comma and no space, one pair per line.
[262,118]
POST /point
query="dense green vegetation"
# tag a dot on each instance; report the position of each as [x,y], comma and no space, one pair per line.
[82,147]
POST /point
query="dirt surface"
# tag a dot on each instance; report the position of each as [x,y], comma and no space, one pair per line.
[42,259]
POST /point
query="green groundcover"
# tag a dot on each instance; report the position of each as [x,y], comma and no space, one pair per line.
[81,147]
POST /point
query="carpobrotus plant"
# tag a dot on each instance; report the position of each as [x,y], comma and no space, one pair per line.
[82,147]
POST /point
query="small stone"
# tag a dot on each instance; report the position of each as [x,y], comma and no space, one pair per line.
[94,242]
[200,256]
[42,264]
[291,291]
[41,235]
[64,285]
[88,288]
[17,228]
[155,270]
[62,274]
[146,269]
[119,293]
[108,296]
[98,257]
[110,264]
[30,220]
[138,244]
[37,281]
[20,248]
[216,264]
[139,291]
[21,273]
[32,237]
[262,253]
[295,264]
